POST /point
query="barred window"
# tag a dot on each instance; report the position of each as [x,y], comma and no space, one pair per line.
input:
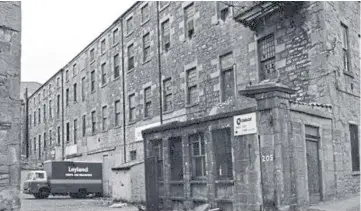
[147,102]
[198,155]
[167,93]
[192,87]
[266,47]
[130,57]
[146,47]
[145,13]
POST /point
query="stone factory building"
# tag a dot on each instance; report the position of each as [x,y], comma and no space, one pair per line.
[178,74]
[10,53]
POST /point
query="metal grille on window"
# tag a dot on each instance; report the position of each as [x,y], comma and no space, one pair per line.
[267,56]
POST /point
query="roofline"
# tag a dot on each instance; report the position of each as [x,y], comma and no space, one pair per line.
[92,42]
[45,83]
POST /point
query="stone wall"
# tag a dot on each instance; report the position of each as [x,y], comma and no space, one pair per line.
[10,53]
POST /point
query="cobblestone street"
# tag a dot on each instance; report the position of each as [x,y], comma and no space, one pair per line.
[59,203]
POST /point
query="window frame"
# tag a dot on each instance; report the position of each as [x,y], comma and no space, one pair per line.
[75,132]
[104,118]
[75,96]
[167,94]
[92,81]
[103,68]
[165,35]
[146,47]
[202,155]
[223,70]
[228,156]
[84,125]
[94,122]
[187,20]
[117,113]
[130,54]
[132,108]
[103,46]
[148,102]
[116,66]
[355,146]
[345,48]
[190,87]
[143,18]
[270,59]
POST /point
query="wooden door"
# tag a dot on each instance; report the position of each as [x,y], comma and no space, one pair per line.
[313,170]
[151,183]
[106,174]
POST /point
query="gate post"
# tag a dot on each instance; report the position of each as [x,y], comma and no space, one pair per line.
[273,128]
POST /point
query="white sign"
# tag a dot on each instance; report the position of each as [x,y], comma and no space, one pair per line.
[245,124]
[72,149]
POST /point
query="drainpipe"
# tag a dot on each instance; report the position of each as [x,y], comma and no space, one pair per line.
[26,134]
[123,87]
[62,115]
[159,70]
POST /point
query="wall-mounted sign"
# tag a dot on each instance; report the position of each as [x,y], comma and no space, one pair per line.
[245,124]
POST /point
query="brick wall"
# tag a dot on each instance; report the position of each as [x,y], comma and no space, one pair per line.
[10,53]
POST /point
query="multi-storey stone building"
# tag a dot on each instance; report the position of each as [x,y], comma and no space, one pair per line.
[162,62]
[10,54]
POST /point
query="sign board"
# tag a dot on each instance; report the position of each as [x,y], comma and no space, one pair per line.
[245,124]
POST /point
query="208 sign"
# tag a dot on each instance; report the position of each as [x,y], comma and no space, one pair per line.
[266,158]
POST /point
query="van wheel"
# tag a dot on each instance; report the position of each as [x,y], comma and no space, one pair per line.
[73,195]
[43,193]
[98,194]
[36,195]
[82,193]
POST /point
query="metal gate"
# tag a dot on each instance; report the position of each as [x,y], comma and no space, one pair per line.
[151,184]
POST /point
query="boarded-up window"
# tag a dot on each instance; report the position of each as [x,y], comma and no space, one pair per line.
[227,77]
[266,53]
[222,149]
[176,158]
[167,93]
[355,150]
[147,102]
[131,107]
[146,47]
[198,155]
[192,87]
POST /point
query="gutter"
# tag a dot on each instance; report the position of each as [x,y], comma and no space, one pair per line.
[62,115]
[26,135]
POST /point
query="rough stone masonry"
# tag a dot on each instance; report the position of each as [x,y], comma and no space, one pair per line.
[10,53]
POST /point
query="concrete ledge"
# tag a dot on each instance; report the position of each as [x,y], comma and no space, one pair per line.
[126,166]
[104,149]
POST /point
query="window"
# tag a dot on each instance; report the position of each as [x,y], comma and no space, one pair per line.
[162,4]
[44,93]
[130,57]
[131,107]
[176,158]
[84,125]
[58,82]
[167,94]
[355,150]
[58,106]
[227,77]
[266,48]
[92,55]
[104,118]
[67,97]
[83,89]
[129,25]
[34,118]
[223,10]
[222,149]
[166,35]
[30,120]
[50,89]
[102,46]
[67,75]
[115,36]
[92,82]
[44,142]
[39,143]
[345,48]
[117,113]
[50,138]
[133,155]
[147,102]
[39,98]
[35,145]
[198,155]
[44,113]
[145,13]
[93,118]
[39,115]
[189,20]
[158,154]
[75,131]
[59,135]
[116,66]
[146,47]
[67,132]
[192,90]
[104,73]
[50,108]
[74,69]
[75,95]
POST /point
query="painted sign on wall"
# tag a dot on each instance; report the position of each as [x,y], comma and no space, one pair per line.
[245,124]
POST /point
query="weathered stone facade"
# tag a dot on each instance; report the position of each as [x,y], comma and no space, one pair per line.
[10,53]
[207,40]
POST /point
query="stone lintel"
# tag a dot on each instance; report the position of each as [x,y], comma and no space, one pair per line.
[267,90]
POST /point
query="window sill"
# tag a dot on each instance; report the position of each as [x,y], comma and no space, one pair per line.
[131,70]
[355,173]
[167,112]
[115,44]
[146,61]
[91,62]
[117,127]
[117,78]
[192,105]
[198,181]
[92,92]
[349,73]
[176,182]
[224,181]
[162,8]
[147,118]
[144,22]
[129,33]
[132,122]
[104,85]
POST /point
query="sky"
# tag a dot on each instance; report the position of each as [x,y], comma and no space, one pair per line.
[55,31]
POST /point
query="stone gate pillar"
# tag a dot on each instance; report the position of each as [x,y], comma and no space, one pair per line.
[273,129]
[10,53]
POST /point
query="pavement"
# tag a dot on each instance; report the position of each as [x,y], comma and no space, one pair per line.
[348,204]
